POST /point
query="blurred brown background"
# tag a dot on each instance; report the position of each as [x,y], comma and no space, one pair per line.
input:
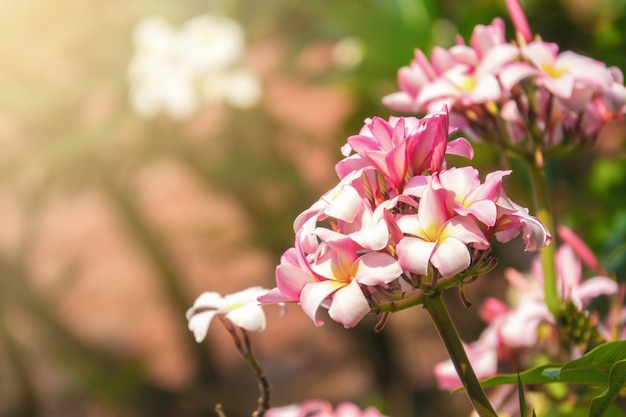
[112,223]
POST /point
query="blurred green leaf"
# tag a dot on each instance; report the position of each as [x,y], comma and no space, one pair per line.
[617,378]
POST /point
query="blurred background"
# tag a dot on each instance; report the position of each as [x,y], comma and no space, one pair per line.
[122,200]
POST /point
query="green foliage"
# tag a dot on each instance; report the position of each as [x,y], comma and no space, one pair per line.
[604,365]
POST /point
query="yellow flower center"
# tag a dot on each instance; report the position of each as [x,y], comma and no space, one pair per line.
[552,71]
[468,83]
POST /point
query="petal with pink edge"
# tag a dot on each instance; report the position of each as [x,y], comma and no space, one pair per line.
[414,254]
[349,305]
[450,257]
[460,147]
[314,294]
[290,279]
[592,288]
[372,238]
[376,268]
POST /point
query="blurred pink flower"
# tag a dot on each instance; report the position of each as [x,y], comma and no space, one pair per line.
[459,75]
[519,19]
[515,329]
[319,408]
[565,97]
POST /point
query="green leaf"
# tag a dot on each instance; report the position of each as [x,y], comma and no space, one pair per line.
[531,376]
[617,378]
[522,398]
[593,368]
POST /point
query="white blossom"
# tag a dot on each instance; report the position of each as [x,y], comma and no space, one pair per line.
[241,308]
[176,70]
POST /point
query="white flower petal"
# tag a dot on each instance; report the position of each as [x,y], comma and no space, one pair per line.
[199,324]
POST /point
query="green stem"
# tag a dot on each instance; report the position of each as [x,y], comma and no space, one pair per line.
[544,214]
[440,316]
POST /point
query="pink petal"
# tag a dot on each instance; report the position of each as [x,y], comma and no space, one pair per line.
[460,147]
[491,309]
[568,269]
[592,288]
[290,277]
[376,268]
[345,205]
[274,296]
[520,328]
[485,211]
[519,19]
[516,72]
[372,238]
[349,305]
[414,254]
[400,102]
[450,257]
[465,230]
[583,251]
[433,212]
[487,89]
[314,294]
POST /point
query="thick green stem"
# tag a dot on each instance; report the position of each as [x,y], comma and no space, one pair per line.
[544,213]
[438,312]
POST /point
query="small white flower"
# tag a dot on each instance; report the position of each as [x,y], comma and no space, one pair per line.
[176,70]
[241,308]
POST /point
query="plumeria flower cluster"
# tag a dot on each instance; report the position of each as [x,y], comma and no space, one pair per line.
[521,93]
[400,225]
[176,70]
[515,335]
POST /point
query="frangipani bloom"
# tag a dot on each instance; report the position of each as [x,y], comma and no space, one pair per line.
[433,236]
[332,276]
[402,147]
[504,92]
[397,216]
[319,408]
[241,308]
[462,74]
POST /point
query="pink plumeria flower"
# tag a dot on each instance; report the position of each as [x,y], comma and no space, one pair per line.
[571,77]
[514,219]
[384,144]
[319,408]
[470,196]
[340,271]
[461,75]
[402,147]
[520,329]
[332,277]
[241,308]
[434,236]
